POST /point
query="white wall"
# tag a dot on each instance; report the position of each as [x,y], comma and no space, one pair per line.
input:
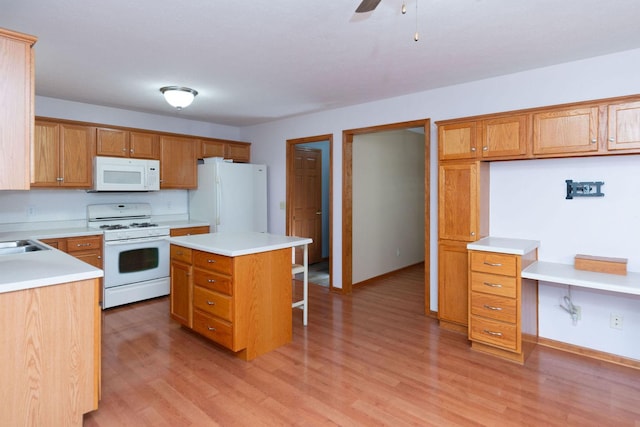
[388,202]
[71,205]
[62,109]
[601,77]
[528,200]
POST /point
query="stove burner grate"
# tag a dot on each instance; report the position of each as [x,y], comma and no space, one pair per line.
[114,227]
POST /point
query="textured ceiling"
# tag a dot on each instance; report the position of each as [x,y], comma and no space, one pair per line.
[253,61]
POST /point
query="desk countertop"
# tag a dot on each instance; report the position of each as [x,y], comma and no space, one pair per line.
[566,274]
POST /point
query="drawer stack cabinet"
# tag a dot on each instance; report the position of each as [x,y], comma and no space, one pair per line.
[214,307]
[502,305]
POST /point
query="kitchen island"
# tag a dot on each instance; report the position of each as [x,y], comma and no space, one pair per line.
[234,288]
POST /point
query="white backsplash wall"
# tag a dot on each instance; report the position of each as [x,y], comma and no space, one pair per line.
[67,205]
[528,200]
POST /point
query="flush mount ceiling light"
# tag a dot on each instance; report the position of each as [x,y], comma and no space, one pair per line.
[178,97]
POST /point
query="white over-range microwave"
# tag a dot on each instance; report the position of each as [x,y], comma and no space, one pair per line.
[123,174]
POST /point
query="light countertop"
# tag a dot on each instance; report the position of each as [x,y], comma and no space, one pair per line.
[504,245]
[568,275]
[42,268]
[239,243]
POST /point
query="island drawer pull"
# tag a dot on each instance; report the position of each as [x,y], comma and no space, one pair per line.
[497,264]
[211,328]
[211,261]
[211,302]
[495,334]
[493,285]
[490,307]
[211,280]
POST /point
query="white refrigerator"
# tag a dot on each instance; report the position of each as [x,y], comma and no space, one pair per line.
[230,196]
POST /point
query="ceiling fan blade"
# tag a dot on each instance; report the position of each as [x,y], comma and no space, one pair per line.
[367,6]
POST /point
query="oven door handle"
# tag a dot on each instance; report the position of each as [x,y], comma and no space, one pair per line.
[136,240]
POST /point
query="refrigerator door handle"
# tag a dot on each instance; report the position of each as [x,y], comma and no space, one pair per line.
[218,199]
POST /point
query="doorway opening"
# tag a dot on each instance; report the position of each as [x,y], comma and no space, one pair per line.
[308,201]
[348,200]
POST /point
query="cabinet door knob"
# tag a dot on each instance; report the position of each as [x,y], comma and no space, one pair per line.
[473,233]
[611,139]
[593,140]
[485,148]
[473,149]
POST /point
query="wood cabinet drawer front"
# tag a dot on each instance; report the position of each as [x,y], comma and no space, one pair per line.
[181,253]
[490,262]
[75,244]
[188,231]
[493,284]
[494,307]
[493,332]
[215,329]
[213,262]
[212,302]
[214,281]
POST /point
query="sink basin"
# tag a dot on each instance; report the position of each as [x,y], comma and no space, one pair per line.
[20,246]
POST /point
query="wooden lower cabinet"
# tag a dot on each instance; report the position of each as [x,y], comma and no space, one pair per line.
[452,285]
[503,307]
[85,248]
[50,354]
[242,303]
[181,286]
[188,231]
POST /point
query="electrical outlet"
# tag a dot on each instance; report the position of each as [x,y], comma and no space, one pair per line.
[615,321]
[31,211]
[398,252]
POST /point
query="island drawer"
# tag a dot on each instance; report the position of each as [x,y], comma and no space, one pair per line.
[213,262]
[212,302]
[495,263]
[215,329]
[214,281]
[180,253]
[494,307]
[493,284]
[493,332]
[84,243]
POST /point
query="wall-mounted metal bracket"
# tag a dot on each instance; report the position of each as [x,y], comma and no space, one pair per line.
[584,189]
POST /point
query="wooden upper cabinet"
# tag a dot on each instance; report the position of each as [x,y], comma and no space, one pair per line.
[237,151]
[62,155]
[112,142]
[210,148]
[566,131]
[124,143]
[457,141]
[178,162]
[623,126]
[463,201]
[505,137]
[144,145]
[16,115]
[46,154]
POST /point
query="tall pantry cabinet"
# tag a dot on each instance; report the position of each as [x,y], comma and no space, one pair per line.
[463,216]
[16,115]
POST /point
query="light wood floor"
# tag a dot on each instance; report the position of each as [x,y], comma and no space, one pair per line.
[371,358]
